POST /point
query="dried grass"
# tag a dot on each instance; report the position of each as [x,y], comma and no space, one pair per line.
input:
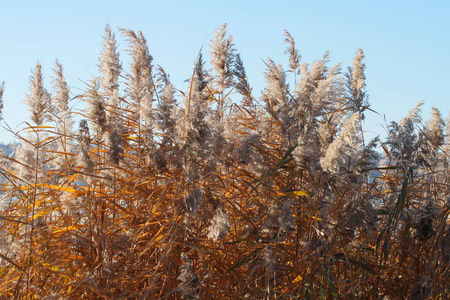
[220,200]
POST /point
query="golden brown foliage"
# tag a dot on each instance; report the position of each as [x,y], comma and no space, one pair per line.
[232,204]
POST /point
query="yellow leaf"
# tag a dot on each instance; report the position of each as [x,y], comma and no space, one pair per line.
[62,188]
[297,279]
[73,257]
[49,186]
[302,192]
[60,152]
[44,212]
[67,229]
[299,193]
[38,127]
[26,187]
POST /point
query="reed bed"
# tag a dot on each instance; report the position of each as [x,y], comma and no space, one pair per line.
[211,193]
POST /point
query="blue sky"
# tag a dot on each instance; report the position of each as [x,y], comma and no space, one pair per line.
[405,42]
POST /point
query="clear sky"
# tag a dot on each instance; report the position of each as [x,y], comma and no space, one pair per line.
[406,43]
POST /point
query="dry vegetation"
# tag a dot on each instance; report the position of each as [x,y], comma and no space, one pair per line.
[219,195]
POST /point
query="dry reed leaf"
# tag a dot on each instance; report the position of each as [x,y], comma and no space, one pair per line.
[67,229]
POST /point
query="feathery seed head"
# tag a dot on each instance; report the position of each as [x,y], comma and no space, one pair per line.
[294,56]
[276,91]
[192,201]
[110,65]
[269,258]
[341,149]
[435,129]
[358,77]
[403,141]
[446,146]
[189,279]
[84,145]
[61,96]
[115,143]
[29,164]
[2,89]
[96,113]
[140,86]
[242,84]
[360,213]
[245,151]
[220,224]
[413,116]
[425,220]
[38,100]
[61,110]
[201,76]
[165,116]
[285,217]
[222,58]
